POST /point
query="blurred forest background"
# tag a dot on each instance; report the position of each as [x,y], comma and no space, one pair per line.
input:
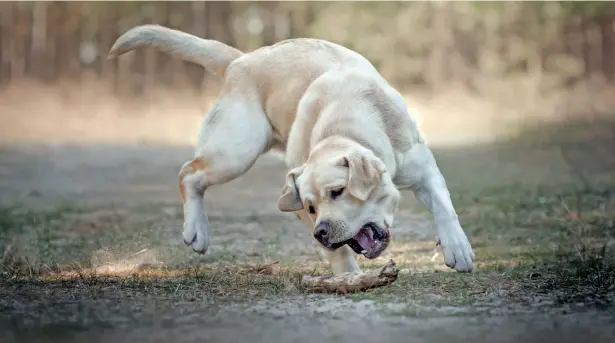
[491,66]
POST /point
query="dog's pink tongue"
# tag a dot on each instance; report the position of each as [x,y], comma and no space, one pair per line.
[365,238]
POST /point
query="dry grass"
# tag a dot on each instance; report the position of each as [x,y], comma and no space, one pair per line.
[530,251]
[543,237]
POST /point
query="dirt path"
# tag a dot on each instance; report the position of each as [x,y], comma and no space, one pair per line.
[308,328]
[39,174]
[130,191]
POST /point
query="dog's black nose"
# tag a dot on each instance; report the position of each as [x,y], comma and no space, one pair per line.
[322,232]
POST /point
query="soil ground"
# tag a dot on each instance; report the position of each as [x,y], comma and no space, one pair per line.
[92,251]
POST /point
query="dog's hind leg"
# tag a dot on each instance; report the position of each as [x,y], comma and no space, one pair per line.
[233,135]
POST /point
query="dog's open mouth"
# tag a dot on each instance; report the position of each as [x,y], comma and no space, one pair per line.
[370,241]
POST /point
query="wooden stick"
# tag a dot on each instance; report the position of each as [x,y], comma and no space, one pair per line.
[351,282]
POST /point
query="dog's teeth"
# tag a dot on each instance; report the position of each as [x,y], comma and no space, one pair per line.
[364,252]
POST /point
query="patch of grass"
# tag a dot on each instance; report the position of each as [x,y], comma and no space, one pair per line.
[555,248]
[534,247]
[25,232]
[43,241]
[585,278]
[89,299]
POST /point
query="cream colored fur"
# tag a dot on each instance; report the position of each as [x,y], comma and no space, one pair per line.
[340,124]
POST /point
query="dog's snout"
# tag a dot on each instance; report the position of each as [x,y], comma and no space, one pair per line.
[322,232]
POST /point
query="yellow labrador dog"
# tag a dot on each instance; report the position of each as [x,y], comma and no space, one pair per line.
[349,141]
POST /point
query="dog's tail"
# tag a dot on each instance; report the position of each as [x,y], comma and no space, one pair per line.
[213,55]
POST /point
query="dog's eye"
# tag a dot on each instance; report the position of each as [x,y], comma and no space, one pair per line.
[312,209]
[336,193]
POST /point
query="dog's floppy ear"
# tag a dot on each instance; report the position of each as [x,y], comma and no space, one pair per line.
[290,201]
[364,170]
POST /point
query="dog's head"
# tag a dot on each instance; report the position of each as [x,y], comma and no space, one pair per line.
[349,195]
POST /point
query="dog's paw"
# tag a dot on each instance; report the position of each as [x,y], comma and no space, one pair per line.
[196,233]
[457,251]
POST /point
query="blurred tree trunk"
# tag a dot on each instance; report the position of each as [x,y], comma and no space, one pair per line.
[79,24]
[574,38]
[164,75]
[199,28]
[51,31]
[141,62]
[192,73]
[55,40]
[607,31]
[106,17]
[542,37]
[123,73]
[174,66]
[267,11]
[60,44]
[574,45]
[6,36]
[437,62]
[584,27]
[68,39]
[219,27]
[18,42]
[26,23]
[39,37]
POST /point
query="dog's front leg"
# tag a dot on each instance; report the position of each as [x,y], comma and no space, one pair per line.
[342,260]
[434,194]
[425,179]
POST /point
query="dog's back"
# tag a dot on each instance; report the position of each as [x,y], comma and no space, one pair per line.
[282,73]
[300,57]
[278,76]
